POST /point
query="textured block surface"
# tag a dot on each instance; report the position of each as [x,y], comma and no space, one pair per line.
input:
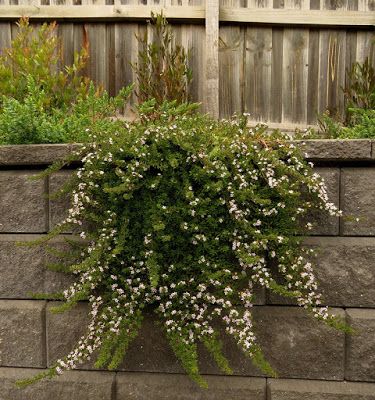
[36,154]
[345,270]
[60,340]
[357,201]
[77,385]
[297,346]
[22,202]
[149,352]
[22,333]
[360,356]
[288,389]
[323,223]
[336,150]
[58,206]
[179,387]
[23,269]
[294,343]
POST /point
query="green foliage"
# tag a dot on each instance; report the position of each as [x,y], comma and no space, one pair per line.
[27,121]
[38,53]
[360,91]
[329,126]
[187,214]
[43,101]
[359,121]
[162,71]
[363,125]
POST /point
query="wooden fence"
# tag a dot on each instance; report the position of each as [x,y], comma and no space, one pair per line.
[281,61]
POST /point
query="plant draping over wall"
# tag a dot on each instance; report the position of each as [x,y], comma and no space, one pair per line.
[183,216]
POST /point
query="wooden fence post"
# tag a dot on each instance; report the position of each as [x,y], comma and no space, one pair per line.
[211,92]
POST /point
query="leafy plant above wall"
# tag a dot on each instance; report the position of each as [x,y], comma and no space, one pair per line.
[359,95]
[37,52]
[44,101]
[187,214]
[162,71]
[27,121]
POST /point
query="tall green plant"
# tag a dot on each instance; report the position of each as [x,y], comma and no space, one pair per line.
[37,53]
[360,90]
[162,71]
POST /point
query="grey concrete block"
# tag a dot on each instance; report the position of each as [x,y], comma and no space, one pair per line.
[179,387]
[149,352]
[345,270]
[60,341]
[36,154]
[58,207]
[76,385]
[323,223]
[22,202]
[292,389]
[289,336]
[360,352]
[336,150]
[259,296]
[22,340]
[23,269]
[298,346]
[357,201]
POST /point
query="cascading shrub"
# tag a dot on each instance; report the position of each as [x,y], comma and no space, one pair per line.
[182,215]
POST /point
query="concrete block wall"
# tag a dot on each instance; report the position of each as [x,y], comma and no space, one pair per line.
[314,362]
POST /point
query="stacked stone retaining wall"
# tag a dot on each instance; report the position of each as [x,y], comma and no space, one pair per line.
[314,362]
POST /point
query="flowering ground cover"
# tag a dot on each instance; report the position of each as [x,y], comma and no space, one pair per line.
[184,215]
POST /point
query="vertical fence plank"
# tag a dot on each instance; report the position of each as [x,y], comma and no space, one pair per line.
[65,32]
[312,103]
[98,60]
[5,31]
[231,55]
[277,69]
[126,54]
[258,61]
[332,62]
[295,69]
[212,58]
[313,69]
[193,39]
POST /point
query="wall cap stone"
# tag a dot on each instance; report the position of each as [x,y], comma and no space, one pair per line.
[34,154]
[316,150]
[337,150]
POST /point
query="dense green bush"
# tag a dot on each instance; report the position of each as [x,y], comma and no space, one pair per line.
[187,214]
[359,94]
[37,53]
[27,121]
